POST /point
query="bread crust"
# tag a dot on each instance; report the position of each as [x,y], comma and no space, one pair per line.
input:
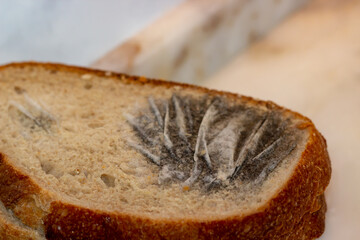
[275,220]
[10,231]
[312,223]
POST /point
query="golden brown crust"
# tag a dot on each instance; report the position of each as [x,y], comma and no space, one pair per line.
[17,193]
[312,224]
[10,229]
[276,220]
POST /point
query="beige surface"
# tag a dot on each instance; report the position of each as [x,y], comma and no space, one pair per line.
[311,63]
[194,40]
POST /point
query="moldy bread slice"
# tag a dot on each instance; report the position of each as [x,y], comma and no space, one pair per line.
[87,154]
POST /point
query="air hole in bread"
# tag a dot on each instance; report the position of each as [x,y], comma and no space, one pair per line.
[108,180]
[88,86]
[18,90]
[49,168]
[69,127]
[87,114]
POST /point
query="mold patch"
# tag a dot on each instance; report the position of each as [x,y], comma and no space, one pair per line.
[210,142]
[30,114]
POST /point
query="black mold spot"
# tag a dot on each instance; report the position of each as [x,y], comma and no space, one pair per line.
[208,141]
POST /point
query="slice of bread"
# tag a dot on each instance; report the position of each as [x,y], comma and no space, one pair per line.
[88,154]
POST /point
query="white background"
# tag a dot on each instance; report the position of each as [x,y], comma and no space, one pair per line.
[71,31]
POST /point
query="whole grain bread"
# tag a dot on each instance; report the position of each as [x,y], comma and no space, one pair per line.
[87,154]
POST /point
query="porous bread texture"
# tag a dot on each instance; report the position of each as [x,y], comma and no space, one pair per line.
[81,154]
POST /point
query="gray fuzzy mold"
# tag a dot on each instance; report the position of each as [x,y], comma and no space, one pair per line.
[30,114]
[210,142]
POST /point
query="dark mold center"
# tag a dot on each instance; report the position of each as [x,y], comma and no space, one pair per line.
[211,142]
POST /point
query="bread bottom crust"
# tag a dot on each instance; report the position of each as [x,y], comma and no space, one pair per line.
[9,230]
[312,225]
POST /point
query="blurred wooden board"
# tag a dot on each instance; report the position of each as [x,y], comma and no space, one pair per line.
[311,64]
[197,38]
